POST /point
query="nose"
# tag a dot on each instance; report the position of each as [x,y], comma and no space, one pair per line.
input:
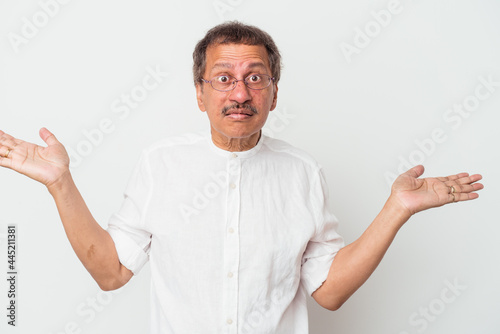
[240,93]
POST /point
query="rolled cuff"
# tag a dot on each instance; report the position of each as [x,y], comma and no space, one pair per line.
[131,255]
[315,271]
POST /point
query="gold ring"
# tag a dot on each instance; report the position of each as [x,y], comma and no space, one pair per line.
[452,189]
[7,154]
[452,194]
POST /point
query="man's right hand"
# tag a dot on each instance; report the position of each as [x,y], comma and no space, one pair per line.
[43,164]
[50,165]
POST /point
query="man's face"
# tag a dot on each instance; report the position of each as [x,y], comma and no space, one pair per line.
[228,118]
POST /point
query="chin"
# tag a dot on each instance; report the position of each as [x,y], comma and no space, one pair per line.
[241,133]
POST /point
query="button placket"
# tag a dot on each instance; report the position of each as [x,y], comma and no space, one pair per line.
[231,244]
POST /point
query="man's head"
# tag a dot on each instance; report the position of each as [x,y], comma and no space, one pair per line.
[235,33]
[236,69]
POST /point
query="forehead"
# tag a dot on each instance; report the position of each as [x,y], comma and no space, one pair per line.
[236,57]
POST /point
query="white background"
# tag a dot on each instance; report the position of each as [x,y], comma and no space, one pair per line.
[359,115]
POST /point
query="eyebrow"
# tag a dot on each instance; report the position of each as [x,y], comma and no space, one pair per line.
[229,65]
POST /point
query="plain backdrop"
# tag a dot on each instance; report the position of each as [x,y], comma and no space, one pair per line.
[368,88]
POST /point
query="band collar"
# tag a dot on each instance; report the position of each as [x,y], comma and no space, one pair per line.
[243,154]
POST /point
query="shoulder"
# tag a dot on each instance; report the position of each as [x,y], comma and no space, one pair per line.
[184,142]
[283,149]
[173,150]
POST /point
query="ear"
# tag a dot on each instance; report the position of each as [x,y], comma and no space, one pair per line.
[275,97]
[199,97]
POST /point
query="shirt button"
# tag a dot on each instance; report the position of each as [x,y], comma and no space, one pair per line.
[229,321]
[233,186]
[234,155]
[231,230]
[229,274]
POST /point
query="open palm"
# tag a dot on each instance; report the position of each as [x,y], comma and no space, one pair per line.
[420,194]
[43,164]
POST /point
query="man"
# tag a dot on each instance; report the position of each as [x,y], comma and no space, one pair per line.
[242,260]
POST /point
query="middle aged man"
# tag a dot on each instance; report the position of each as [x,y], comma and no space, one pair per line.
[242,258]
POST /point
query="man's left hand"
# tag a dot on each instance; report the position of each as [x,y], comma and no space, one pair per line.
[415,194]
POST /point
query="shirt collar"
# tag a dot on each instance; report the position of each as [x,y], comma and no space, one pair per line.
[243,154]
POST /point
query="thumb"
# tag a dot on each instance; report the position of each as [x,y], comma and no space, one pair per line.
[48,137]
[416,171]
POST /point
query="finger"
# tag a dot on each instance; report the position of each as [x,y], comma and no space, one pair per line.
[416,171]
[7,142]
[10,142]
[5,162]
[4,135]
[453,177]
[48,137]
[469,179]
[466,188]
[464,181]
[447,178]
[5,152]
[461,197]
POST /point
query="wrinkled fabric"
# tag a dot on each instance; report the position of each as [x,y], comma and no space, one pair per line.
[235,240]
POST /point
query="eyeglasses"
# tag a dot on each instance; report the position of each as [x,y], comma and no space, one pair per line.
[225,83]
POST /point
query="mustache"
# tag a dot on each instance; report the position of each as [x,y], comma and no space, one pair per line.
[239,106]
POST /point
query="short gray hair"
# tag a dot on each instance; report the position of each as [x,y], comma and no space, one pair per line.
[235,33]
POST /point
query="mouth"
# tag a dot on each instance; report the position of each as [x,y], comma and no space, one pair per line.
[239,112]
[238,117]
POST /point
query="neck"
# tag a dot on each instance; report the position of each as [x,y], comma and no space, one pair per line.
[235,144]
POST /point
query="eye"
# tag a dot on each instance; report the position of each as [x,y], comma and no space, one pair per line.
[254,78]
[224,79]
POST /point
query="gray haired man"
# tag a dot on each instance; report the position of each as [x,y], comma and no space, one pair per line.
[242,258]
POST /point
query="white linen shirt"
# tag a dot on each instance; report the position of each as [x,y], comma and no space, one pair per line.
[235,240]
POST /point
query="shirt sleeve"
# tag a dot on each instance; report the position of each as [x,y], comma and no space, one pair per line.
[325,243]
[126,227]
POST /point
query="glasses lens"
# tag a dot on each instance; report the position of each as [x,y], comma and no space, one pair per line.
[255,81]
[223,82]
[258,81]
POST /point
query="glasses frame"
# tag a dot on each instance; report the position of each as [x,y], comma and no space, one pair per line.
[235,82]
